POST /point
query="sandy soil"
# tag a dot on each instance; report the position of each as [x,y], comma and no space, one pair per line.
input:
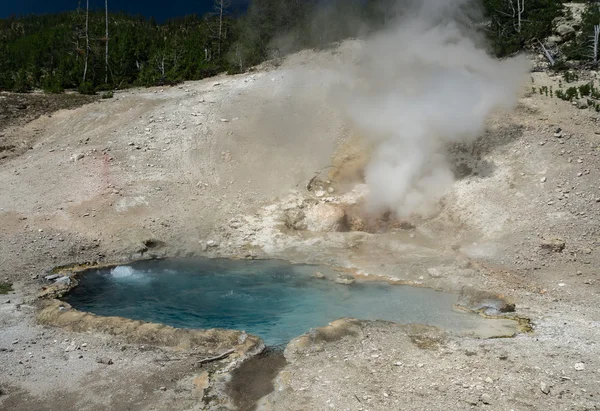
[220,168]
[19,109]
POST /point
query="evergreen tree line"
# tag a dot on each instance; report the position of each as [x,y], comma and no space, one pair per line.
[56,52]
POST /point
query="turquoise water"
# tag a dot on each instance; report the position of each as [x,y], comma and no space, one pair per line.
[272,299]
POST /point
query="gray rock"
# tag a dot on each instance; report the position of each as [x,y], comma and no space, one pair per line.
[212,243]
[579,366]
[461,262]
[52,277]
[565,31]
[318,275]
[63,280]
[325,218]
[72,347]
[552,41]
[345,279]
[486,398]
[544,388]
[104,360]
[295,219]
[554,244]
[204,246]
[435,272]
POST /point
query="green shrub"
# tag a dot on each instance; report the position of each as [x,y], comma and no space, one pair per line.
[571,77]
[86,88]
[52,84]
[22,82]
[571,93]
[108,94]
[5,288]
[103,87]
[585,90]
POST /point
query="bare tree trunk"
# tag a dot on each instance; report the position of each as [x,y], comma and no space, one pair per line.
[596,37]
[87,38]
[77,32]
[220,24]
[106,54]
[547,54]
[220,10]
[520,10]
[517,13]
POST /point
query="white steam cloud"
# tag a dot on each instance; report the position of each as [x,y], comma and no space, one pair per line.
[416,88]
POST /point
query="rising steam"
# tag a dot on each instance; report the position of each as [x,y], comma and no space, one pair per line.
[418,86]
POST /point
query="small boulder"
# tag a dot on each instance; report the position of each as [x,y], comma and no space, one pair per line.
[318,275]
[325,218]
[295,219]
[435,272]
[345,279]
[486,399]
[582,104]
[552,41]
[104,360]
[565,31]
[553,244]
[63,280]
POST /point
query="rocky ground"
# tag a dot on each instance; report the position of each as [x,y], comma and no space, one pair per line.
[231,166]
[19,109]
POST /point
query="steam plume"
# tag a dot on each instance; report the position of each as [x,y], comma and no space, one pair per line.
[418,86]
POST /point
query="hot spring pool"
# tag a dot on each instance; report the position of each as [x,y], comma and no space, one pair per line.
[274,300]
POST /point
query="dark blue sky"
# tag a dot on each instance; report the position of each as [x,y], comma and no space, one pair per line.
[159,9]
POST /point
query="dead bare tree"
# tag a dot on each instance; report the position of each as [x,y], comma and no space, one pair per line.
[595,43]
[78,32]
[221,7]
[515,12]
[547,54]
[520,10]
[106,41]
[238,57]
[87,38]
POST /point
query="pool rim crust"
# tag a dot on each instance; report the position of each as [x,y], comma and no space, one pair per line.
[52,309]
